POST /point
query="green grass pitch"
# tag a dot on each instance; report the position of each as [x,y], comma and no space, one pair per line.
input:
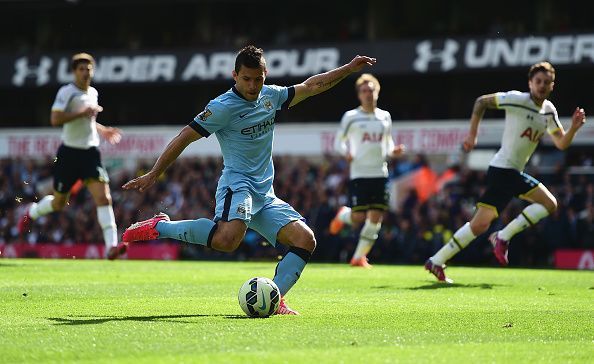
[154,311]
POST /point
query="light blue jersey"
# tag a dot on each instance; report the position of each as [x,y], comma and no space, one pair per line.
[244,130]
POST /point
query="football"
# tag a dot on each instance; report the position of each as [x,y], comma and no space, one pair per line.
[259,297]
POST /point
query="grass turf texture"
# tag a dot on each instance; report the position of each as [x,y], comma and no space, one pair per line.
[148,311]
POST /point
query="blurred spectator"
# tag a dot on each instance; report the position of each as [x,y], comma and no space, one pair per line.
[316,188]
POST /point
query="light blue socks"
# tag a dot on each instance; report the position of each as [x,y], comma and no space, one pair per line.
[289,269]
[190,231]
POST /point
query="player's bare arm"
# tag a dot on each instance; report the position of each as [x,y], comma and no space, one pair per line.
[325,81]
[59,118]
[111,134]
[481,104]
[175,147]
[563,139]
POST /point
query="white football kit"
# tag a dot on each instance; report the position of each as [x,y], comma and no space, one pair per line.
[525,124]
[368,138]
[80,133]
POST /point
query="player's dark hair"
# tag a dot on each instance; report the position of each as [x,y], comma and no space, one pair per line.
[541,67]
[250,57]
[81,58]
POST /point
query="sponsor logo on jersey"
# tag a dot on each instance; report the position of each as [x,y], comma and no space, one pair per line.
[259,129]
[532,134]
[372,137]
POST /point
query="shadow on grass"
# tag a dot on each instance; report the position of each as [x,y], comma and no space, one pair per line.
[80,320]
[440,285]
[4,264]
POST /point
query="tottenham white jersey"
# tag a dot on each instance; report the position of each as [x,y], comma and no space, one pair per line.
[82,132]
[368,138]
[525,124]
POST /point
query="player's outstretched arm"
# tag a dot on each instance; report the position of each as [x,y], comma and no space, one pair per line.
[481,104]
[563,139]
[170,154]
[325,81]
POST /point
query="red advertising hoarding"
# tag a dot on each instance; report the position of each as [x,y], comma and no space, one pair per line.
[574,259]
[161,251]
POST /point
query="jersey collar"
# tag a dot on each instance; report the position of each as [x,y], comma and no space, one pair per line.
[236,91]
[80,89]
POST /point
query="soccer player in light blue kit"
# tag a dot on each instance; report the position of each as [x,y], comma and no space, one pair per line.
[242,120]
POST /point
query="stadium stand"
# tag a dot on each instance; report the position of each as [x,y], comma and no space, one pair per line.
[409,234]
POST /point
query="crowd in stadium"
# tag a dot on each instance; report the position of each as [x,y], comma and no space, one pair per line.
[316,189]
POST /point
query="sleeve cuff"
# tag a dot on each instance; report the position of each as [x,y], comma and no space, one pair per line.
[553,131]
[199,129]
[290,96]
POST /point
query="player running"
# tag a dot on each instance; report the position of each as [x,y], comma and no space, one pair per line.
[527,116]
[365,140]
[76,108]
[242,120]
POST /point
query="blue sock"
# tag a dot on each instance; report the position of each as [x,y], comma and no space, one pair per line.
[289,269]
[190,231]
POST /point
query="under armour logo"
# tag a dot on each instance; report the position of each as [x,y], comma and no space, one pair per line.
[426,55]
[24,71]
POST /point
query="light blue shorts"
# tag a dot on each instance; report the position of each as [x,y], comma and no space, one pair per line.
[264,214]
